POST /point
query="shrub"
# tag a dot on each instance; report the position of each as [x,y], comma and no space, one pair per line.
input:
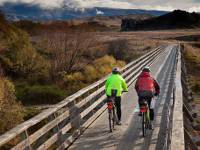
[11,112]
[39,94]
[20,59]
[119,49]
[91,73]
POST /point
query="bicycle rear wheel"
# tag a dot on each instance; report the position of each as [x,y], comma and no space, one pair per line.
[110,117]
[143,125]
[114,119]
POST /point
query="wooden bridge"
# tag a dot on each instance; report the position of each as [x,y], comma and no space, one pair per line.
[80,122]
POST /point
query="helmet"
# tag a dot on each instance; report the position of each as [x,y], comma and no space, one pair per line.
[146,69]
[115,70]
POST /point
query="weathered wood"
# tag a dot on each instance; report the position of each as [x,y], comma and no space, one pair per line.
[49,142]
[84,127]
[95,104]
[177,141]
[47,127]
[188,113]
[21,145]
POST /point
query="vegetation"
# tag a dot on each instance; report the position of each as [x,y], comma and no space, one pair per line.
[51,61]
[11,111]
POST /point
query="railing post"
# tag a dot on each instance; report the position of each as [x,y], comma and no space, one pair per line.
[27,137]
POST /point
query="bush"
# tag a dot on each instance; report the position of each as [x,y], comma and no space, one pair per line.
[40,94]
[91,73]
[11,112]
[119,49]
[20,60]
[196,87]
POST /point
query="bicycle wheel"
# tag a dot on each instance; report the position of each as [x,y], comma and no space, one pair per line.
[114,118]
[110,116]
[147,120]
[143,124]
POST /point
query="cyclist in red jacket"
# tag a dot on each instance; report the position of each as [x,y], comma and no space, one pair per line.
[147,87]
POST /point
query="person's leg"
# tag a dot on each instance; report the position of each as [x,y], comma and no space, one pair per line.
[118,107]
[151,111]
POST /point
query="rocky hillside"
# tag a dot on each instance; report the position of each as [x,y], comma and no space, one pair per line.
[175,20]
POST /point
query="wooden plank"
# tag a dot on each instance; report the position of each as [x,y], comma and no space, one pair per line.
[21,145]
[177,141]
[68,141]
[90,108]
[49,142]
[47,127]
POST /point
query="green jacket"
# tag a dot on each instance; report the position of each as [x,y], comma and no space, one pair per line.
[115,81]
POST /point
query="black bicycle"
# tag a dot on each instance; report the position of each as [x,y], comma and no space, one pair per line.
[144,109]
[112,117]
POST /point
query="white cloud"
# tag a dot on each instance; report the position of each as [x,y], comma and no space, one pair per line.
[168,5]
[194,9]
[42,3]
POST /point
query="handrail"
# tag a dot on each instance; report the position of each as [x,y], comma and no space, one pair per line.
[63,112]
[177,139]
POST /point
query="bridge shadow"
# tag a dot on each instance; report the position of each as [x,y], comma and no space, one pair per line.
[97,139]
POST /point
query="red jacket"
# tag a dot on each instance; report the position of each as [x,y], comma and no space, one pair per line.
[147,83]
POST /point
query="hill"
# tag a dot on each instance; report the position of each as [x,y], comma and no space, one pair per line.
[175,20]
[90,24]
[21,11]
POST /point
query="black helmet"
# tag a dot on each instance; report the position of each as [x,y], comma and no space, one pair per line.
[146,69]
[116,70]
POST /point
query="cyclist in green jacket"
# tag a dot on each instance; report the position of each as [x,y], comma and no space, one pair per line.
[115,82]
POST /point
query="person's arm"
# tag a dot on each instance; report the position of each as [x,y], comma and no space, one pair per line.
[106,84]
[136,86]
[157,87]
[124,85]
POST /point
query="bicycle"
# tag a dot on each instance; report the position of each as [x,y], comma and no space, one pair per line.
[144,109]
[111,113]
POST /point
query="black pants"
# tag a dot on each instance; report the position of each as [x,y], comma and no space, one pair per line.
[118,107]
[151,111]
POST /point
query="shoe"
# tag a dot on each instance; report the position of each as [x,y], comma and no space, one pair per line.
[119,122]
[140,114]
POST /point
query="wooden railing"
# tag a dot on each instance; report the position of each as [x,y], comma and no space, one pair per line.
[182,112]
[58,127]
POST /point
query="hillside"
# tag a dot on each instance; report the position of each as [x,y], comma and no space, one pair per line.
[90,24]
[22,11]
[175,20]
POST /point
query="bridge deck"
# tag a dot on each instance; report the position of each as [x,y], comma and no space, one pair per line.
[128,136]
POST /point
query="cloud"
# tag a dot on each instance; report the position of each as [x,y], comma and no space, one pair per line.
[194,9]
[41,3]
[169,5]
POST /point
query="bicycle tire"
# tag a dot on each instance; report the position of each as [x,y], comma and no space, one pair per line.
[114,118]
[110,120]
[143,125]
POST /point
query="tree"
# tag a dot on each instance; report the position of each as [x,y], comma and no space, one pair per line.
[66,50]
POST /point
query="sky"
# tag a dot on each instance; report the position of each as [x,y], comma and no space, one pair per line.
[169,5]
